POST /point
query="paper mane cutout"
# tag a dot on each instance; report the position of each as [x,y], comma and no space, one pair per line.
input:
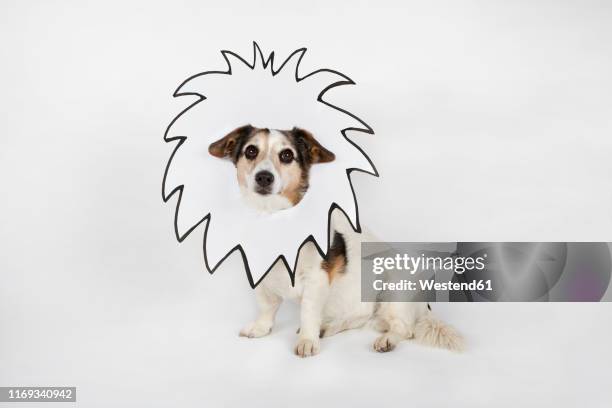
[265,95]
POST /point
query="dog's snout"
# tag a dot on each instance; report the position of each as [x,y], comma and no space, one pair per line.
[264,178]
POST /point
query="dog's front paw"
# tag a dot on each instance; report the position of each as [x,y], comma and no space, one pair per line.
[256,329]
[307,347]
[385,343]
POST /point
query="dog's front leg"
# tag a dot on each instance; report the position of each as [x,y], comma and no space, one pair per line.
[314,297]
[268,304]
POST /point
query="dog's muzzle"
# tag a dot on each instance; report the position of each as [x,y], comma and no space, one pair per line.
[264,180]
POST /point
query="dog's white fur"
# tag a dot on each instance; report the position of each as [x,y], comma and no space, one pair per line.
[329,302]
[330,308]
[274,142]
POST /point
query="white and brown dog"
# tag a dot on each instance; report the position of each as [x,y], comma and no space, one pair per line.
[273,174]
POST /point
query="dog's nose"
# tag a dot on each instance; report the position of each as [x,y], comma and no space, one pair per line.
[264,178]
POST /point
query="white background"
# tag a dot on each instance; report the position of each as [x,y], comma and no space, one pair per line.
[493,122]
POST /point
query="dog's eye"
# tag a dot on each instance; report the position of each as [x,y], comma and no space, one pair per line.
[251,152]
[286,156]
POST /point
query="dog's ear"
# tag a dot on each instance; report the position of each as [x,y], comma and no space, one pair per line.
[227,146]
[316,152]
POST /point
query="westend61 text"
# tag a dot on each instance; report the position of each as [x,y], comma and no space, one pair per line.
[430,284]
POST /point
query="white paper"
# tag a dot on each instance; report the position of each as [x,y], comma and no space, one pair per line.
[270,93]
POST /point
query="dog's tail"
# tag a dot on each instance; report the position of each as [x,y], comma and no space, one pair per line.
[434,332]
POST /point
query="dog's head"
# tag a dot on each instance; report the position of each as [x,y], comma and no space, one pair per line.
[272,166]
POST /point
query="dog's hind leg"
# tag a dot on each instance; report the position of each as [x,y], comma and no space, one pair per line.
[388,340]
[335,327]
[268,303]
[399,322]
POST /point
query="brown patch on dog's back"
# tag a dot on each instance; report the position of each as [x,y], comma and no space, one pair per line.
[335,261]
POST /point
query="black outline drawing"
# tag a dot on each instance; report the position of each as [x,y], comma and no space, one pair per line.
[181,139]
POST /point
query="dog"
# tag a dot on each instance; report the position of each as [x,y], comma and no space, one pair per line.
[272,168]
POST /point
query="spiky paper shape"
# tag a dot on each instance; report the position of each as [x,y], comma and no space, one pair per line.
[263,94]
